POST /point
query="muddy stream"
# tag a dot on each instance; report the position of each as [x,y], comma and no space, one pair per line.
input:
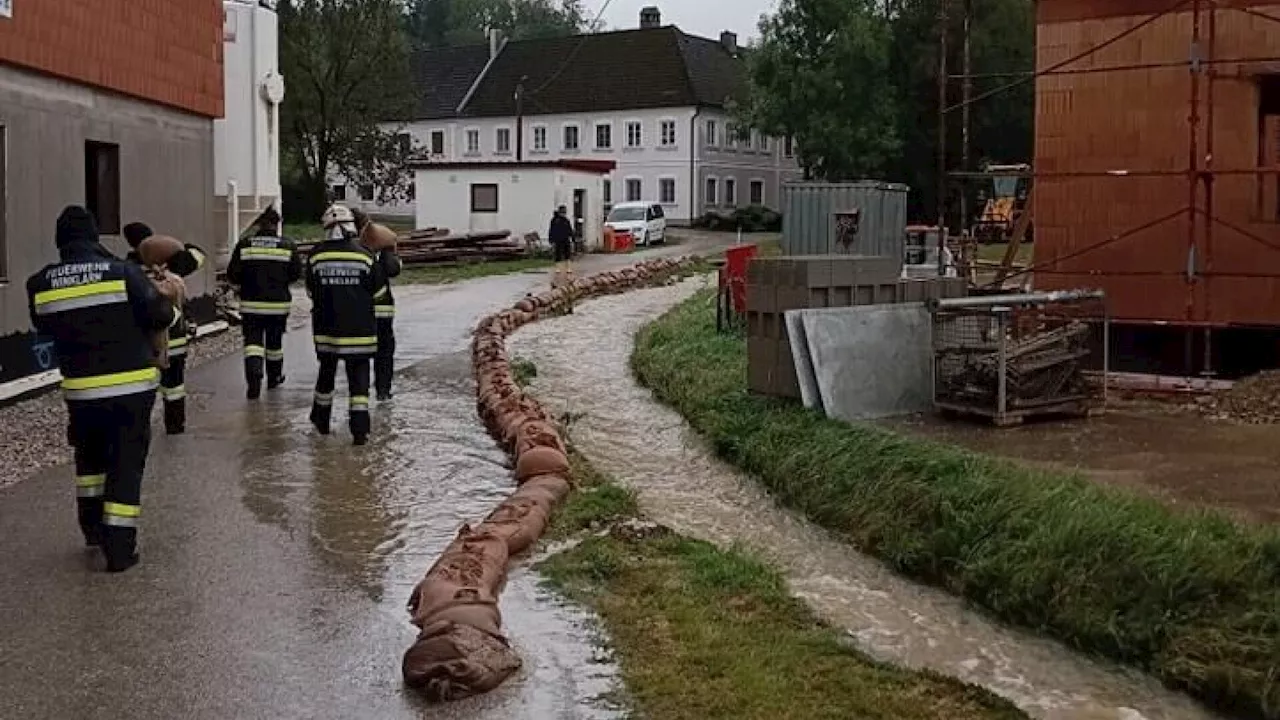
[583,370]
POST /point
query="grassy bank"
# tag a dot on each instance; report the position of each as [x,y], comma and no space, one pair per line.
[442,274]
[702,634]
[1194,599]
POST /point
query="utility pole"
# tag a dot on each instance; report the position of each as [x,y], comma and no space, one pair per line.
[942,133]
[966,97]
[520,119]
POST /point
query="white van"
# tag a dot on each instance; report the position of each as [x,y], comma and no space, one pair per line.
[644,221]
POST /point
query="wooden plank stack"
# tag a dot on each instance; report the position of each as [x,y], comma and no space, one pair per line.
[432,246]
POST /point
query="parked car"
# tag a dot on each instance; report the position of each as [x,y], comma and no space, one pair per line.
[644,221]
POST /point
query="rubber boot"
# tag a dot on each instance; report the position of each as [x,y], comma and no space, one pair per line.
[320,417]
[89,512]
[275,381]
[254,390]
[175,417]
[119,546]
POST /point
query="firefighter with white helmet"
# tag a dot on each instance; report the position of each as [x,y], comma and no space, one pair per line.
[342,279]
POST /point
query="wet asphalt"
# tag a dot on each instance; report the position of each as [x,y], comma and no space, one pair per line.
[276,563]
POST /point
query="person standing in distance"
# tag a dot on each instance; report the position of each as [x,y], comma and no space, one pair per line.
[173,379]
[101,312]
[342,280]
[263,266]
[384,308]
[561,236]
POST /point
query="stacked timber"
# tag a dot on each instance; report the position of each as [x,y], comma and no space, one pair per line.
[461,649]
[433,246]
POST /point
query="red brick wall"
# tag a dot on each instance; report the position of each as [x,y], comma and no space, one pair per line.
[166,51]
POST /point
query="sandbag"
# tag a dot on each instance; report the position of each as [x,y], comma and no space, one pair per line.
[451,661]
[157,250]
[555,488]
[521,522]
[537,433]
[541,461]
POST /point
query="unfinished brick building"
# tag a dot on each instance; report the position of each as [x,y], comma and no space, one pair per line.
[1157,161]
[109,104]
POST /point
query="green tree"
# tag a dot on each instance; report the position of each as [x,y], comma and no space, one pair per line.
[346,65]
[820,74]
[441,23]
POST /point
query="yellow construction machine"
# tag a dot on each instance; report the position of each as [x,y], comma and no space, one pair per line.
[1005,199]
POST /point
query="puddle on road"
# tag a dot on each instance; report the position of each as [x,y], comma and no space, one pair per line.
[583,369]
[374,520]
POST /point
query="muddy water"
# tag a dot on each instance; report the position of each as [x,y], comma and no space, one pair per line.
[583,369]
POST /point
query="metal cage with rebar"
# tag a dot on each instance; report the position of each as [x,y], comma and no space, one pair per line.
[1010,357]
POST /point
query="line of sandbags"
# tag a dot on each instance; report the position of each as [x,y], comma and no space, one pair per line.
[461,650]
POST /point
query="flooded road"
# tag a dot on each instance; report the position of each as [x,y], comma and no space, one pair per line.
[276,564]
[583,369]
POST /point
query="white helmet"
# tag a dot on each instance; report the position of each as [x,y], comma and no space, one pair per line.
[337,214]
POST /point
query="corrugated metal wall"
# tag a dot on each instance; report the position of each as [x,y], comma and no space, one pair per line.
[808,217]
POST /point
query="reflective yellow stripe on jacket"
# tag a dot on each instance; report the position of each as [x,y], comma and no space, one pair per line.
[97,387]
[346,345]
[270,254]
[342,256]
[265,307]
[106,292]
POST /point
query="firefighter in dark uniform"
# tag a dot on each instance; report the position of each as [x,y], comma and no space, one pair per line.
[263,267]
[342,280]
[385,310]
[173,379]
[100,312]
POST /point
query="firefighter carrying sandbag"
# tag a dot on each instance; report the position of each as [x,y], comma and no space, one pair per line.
[263,267]
[381,242]
[173,376]
[342,279]
[101,312]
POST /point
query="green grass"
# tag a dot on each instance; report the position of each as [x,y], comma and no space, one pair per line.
[443,274]
[1194,598]
[995,252]
[595,502]
[702,634]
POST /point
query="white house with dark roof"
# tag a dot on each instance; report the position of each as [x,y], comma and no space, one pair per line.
[653,100]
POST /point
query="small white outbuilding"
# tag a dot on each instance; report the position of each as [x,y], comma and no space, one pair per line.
[516,196]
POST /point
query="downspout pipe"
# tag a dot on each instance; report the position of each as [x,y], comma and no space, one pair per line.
[693,166]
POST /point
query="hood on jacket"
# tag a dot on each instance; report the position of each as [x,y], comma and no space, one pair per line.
[76,226]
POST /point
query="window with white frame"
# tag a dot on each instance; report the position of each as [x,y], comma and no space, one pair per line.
[712,131]
[571,140]
[367,193]
[473,142]
[437,142]
[540,138]
[608,194]
[604,136]
[502,141]
[635,134]
[667,133]
[635,190]
[762,142]
[757,192]
[731,136]
[667,191]
[789,147]
[337,193]
[731,192]
[713,190]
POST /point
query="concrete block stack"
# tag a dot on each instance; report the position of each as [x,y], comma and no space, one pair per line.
[777,285]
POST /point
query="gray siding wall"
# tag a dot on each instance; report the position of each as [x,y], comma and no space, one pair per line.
[166,174]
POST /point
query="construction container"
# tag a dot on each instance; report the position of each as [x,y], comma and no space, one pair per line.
[810,211]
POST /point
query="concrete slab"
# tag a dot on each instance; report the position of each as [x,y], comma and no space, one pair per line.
[871,362]
[810,395]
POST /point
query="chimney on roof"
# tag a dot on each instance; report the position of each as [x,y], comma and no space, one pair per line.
[650,18]
[730,42]
[495,42]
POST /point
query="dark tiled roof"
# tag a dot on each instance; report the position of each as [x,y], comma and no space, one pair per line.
[603,72]
[441,78]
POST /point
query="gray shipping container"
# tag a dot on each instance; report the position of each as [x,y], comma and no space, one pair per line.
[809,217]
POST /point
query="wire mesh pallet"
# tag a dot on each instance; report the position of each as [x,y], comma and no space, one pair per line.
[1007,358]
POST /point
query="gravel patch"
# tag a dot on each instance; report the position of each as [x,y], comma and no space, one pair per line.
[33,432]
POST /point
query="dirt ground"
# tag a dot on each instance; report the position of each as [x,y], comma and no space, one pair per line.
[1176,455]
